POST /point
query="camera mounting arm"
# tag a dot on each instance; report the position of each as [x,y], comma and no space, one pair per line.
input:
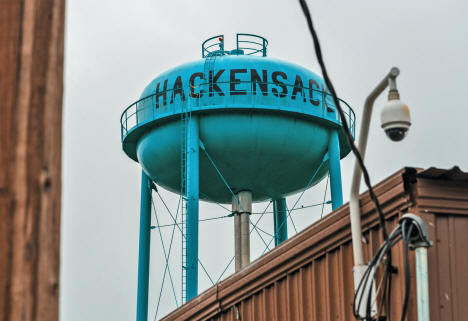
[395,118]
[355,211]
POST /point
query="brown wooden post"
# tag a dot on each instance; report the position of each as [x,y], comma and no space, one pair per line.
[31,75]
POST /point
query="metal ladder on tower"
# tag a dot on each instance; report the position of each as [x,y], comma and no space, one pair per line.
[186,114]
[210,62]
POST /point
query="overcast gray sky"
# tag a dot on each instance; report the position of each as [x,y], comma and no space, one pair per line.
[115,48]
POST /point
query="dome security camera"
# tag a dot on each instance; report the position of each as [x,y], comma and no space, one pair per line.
[395,119]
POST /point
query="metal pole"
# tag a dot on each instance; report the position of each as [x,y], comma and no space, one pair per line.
[144,249]
[245,200]
[191,228]
[335,170]
[422,283]
[355,211]
[242,208]
[237,234]
[280,223]
[354,207]
[419,241]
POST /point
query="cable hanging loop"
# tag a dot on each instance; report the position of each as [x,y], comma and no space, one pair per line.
[413,231]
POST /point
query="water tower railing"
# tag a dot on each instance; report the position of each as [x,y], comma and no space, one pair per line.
[259,43]
[144,110]
[213,46]
[248,43]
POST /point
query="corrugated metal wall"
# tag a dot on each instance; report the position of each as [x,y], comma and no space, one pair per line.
[442,200]
[309,277]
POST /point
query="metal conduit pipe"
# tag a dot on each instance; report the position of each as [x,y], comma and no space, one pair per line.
[422,284]
[245,200]
[237,234]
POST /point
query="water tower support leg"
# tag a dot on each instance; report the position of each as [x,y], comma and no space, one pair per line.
[191,231]
[335,170]
[280,220]
[144,249]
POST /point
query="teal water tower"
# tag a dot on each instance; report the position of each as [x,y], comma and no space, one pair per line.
[233,127]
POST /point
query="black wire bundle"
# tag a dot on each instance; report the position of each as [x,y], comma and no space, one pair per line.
[365,287]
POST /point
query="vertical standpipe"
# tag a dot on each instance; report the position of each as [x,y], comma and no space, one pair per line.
[422,284]
[280,212]
[144,249]
[191,228]
[242,208]
[237,234]
[335,170]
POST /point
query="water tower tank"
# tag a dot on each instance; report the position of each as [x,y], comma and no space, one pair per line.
[234,126]
[265,122]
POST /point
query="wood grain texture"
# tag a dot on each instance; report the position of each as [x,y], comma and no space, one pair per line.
[31,89]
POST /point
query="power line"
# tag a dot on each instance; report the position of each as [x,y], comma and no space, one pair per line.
[388,266]
[364,292]
[344,123]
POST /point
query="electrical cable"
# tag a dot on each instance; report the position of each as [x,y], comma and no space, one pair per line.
[350,140]
[406,241]
[365,287]
[344,123]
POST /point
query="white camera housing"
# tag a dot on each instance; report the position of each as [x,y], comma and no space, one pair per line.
[395,119]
